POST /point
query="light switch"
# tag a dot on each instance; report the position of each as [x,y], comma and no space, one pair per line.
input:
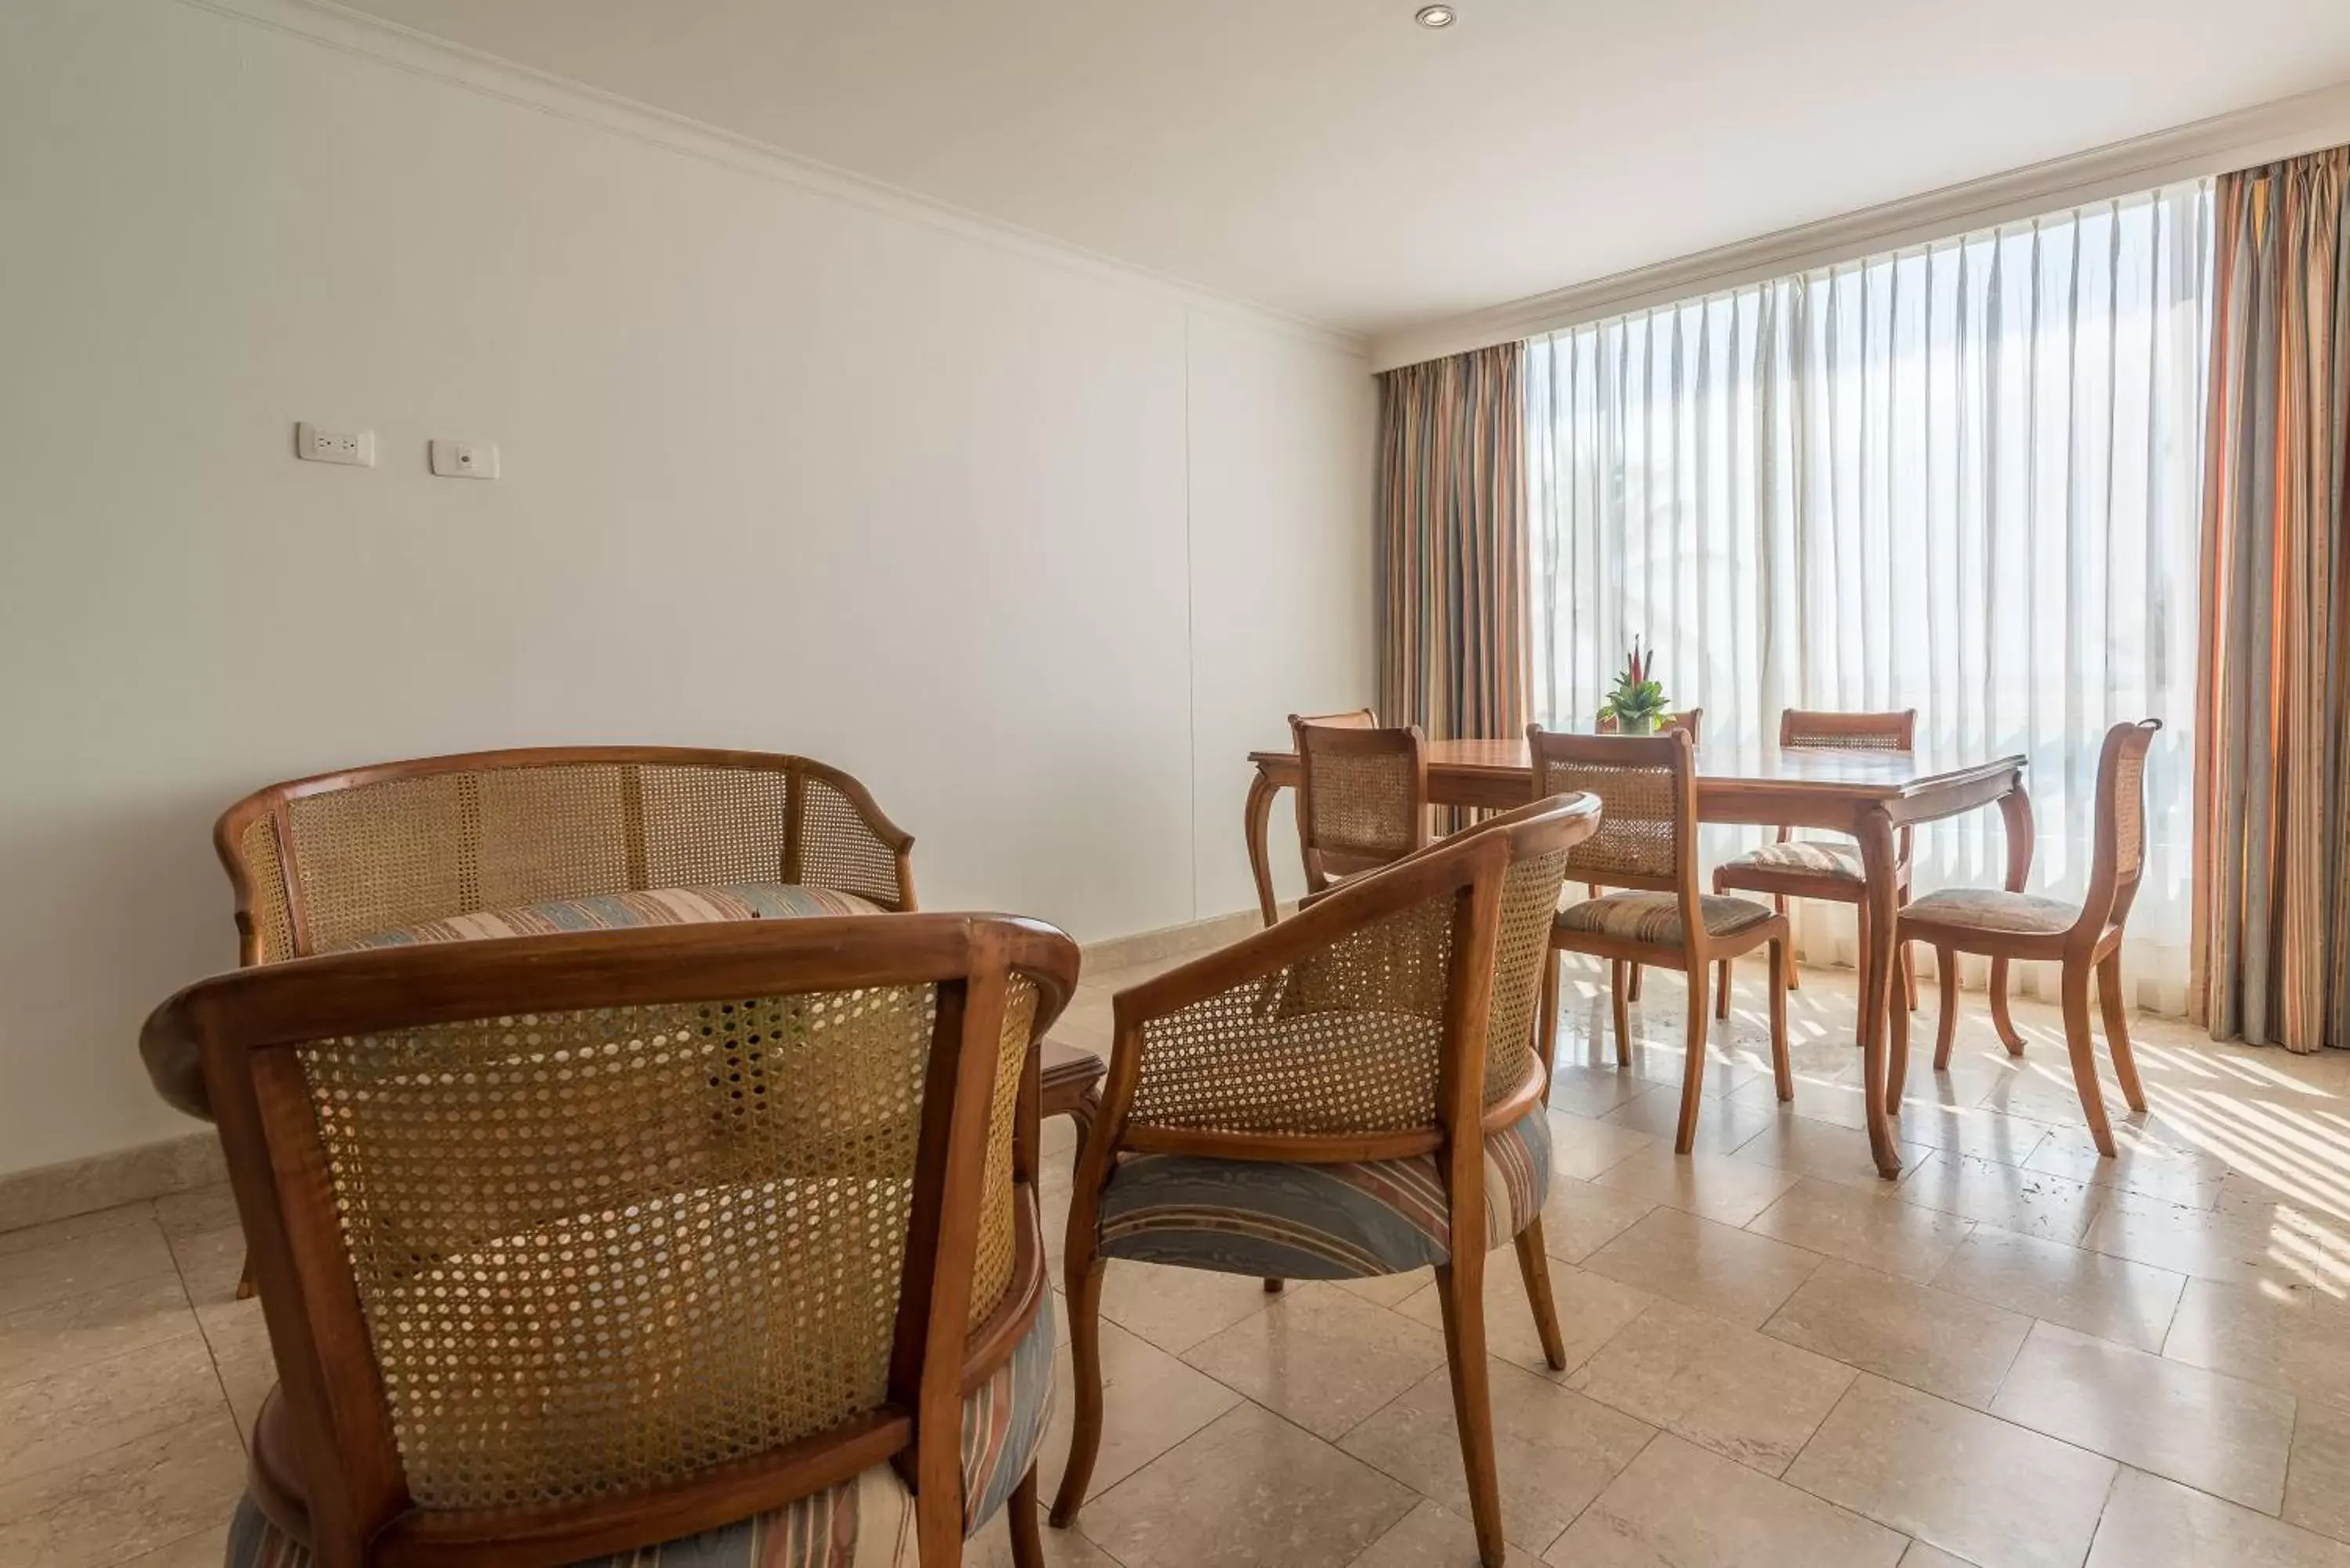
[465,459]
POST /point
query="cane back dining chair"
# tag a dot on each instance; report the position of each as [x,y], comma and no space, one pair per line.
[1362,794]
[1346,1094]
[714,1245]
[1794,867]
[1647,845]
[1689,721]
[2085,938]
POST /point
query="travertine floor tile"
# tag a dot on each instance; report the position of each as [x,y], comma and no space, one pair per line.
[1429,1537]
[1951,1345]
[2145,1165]
[204,1549]
[2157,1523]
[1150,1402]
[2110,1297]
[1722,1126]
[1866,1226]
[1921,1555]
[77,1228]
[1681,1506]
[2214,1433]
[2297,1341]
[991,1547]
[1993,1494]
[1823,1153]
[151,1492]
[1321,1358]
[83,1263]
[2287,1245]
[1175,1309]
[1591,1309]
[1554,1448]
[69,1416]
[1582,1216]
[1248,1489]
[2317,1485]
[1732,1274]
[1593,1092]
[1585,1148]
[1388,1289]
[2029,1202]
[1716,1384]
[1710,1186]
[54,1336]
[239,1340]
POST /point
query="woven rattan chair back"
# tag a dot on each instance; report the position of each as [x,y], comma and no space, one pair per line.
[1689,721]
[318,861]
[640,1232]
[1823,729]
[1646,789]
[1362,795]
[2119,854]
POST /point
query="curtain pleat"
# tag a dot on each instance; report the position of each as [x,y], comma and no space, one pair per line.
[1452,546]
[1961,477]
[2273,793]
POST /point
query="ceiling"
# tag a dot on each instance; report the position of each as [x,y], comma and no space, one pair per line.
[1333,159]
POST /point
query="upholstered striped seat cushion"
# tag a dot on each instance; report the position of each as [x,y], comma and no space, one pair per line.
[1992,909]
[612,911]
[1655,917]
[1804,857]
[867,1522]
[1335,1221]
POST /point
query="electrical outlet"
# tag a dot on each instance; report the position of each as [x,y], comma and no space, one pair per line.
[315,445]
[465,459]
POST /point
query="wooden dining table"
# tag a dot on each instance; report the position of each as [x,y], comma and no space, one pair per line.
[1868,794]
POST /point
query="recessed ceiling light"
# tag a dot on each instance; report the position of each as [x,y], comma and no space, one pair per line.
[1436,17]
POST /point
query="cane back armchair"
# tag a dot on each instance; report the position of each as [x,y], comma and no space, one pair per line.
[1362,794]
[1792,867]
[716,1245]
[2085,938]
[1647,844]
[1341,1096]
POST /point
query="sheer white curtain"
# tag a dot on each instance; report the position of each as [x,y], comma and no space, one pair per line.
[1962,478]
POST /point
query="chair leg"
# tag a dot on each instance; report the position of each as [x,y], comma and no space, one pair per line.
[2008,1035]
[1909,960]
[1693,1080]
[1083,1283]
[2084,1049]
[1547,1022]
[245,1286]
[1634,992]
[2117,1039]
[1534,1265]
[1946,972]
[1027,1542]
[1896,1044]
[1783,1069]
[1721,991]
[1616,987]
[1794,980]
[1461,1293]
[1272,1287]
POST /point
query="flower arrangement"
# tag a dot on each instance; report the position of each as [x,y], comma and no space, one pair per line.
[1638,703]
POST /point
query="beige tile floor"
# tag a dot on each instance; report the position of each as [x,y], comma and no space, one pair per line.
[2018,1355]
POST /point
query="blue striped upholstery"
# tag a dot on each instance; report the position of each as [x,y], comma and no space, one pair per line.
[1337,1221]
[613,912]
[867,1522]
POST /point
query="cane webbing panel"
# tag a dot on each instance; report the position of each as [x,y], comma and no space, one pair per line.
[1359,805]
[385,855]
[1818,731]
[604,1250]
[1528,898]
[265,877]
[2129,815]
[1347,1040]
[706,825]
[991,1274]
[1639,824]
[837,850]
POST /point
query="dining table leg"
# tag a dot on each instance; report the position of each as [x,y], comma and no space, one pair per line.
[1259,818]
[1874,831]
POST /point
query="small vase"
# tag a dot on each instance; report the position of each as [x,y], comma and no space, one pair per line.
[1645,724]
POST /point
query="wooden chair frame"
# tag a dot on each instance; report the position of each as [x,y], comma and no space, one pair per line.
[1900,726]
[326,1462]
[1691,722]
[1468,867]
[2091,946]
[1697,949]
[1355,733]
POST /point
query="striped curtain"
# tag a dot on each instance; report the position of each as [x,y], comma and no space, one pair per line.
[1452,546]
[2272,791]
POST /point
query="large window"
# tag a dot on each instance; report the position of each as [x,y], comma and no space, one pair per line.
[1962,478]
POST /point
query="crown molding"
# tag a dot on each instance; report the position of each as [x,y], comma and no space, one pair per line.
[2240,140]
[385,43]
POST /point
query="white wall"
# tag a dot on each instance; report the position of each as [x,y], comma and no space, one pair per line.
[1034,547]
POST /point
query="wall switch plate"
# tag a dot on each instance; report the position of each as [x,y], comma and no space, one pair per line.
[313,444]
[465,459]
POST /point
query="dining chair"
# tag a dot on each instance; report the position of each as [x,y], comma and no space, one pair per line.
[2085,938]
[1354,1092]
[1647,845]
[1689,721]
[715,1244]
[1362,794]
[1794,867]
